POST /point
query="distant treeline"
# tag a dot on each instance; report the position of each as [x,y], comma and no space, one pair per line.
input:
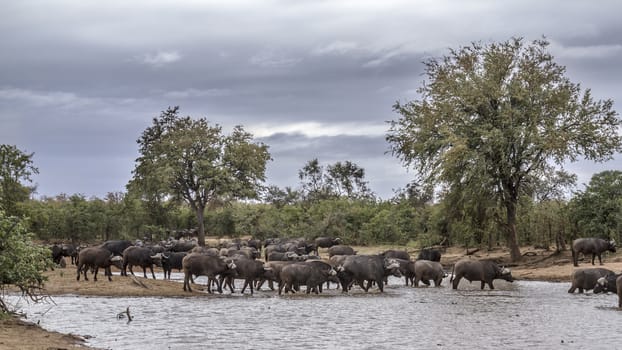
[408,219]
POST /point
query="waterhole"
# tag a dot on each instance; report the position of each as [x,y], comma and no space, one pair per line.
[519,315]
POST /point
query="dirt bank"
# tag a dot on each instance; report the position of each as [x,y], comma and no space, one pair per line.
[23,335]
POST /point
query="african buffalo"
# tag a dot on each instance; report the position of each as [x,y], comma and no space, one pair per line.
[587,279]
[251,270]
[205,265]
[182,246]
[594,246]
[340,250]
[172,260]
[276,267]
[57,253]
[479,270]
[407,269]
[311,274]
[606,284]
[140,256]
[397,254]
[370,268]
[116,247]
[619,290]
[248,252]
[94,258]
[426,270]
[254,243]
[273,248]
[326,242]
[205,251]
[283,256]
[429,254]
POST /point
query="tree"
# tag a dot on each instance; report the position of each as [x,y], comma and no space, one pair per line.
[598,210]
[188,159]
[16,167]
[496,118]
[280,197]
[21,261]
[337,180]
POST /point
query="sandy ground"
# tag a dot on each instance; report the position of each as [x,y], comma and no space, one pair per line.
[537,264]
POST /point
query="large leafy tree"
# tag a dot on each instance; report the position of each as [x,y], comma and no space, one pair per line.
[16,169]
[191,160]
[494,119]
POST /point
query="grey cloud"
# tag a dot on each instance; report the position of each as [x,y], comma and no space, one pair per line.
[81,85]
[159,58]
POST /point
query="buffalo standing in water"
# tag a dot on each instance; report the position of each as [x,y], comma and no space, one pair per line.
[370,268]
[205,265]
[587,279]
[479,270]
[607,284]
[594,246]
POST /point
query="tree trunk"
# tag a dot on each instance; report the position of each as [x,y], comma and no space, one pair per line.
[200,215]
[512,240]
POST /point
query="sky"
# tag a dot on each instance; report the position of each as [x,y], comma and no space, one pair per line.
[81,80]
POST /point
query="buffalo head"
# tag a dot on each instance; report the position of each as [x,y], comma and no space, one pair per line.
[116,261]
[612,246]
[505,274]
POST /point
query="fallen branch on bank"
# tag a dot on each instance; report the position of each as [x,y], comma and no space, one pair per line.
[139,282]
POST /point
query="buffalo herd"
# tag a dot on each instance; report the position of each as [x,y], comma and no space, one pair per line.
[292,263]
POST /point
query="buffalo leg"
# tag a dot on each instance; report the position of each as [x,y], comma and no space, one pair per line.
[380,285]
[152,274]
[95,273]
[210,281]
[108,273]
[229,282]
[456,282]
[244,287]
[219,285]
[187,282]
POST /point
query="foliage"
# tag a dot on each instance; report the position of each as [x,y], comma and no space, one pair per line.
[342,179]
[191,160]
[497,119]
[597,211]
[16,167]
[21,261]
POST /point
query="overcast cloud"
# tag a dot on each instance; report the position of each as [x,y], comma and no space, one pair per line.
[80,80]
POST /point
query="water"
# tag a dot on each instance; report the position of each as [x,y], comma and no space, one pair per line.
[519,315]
